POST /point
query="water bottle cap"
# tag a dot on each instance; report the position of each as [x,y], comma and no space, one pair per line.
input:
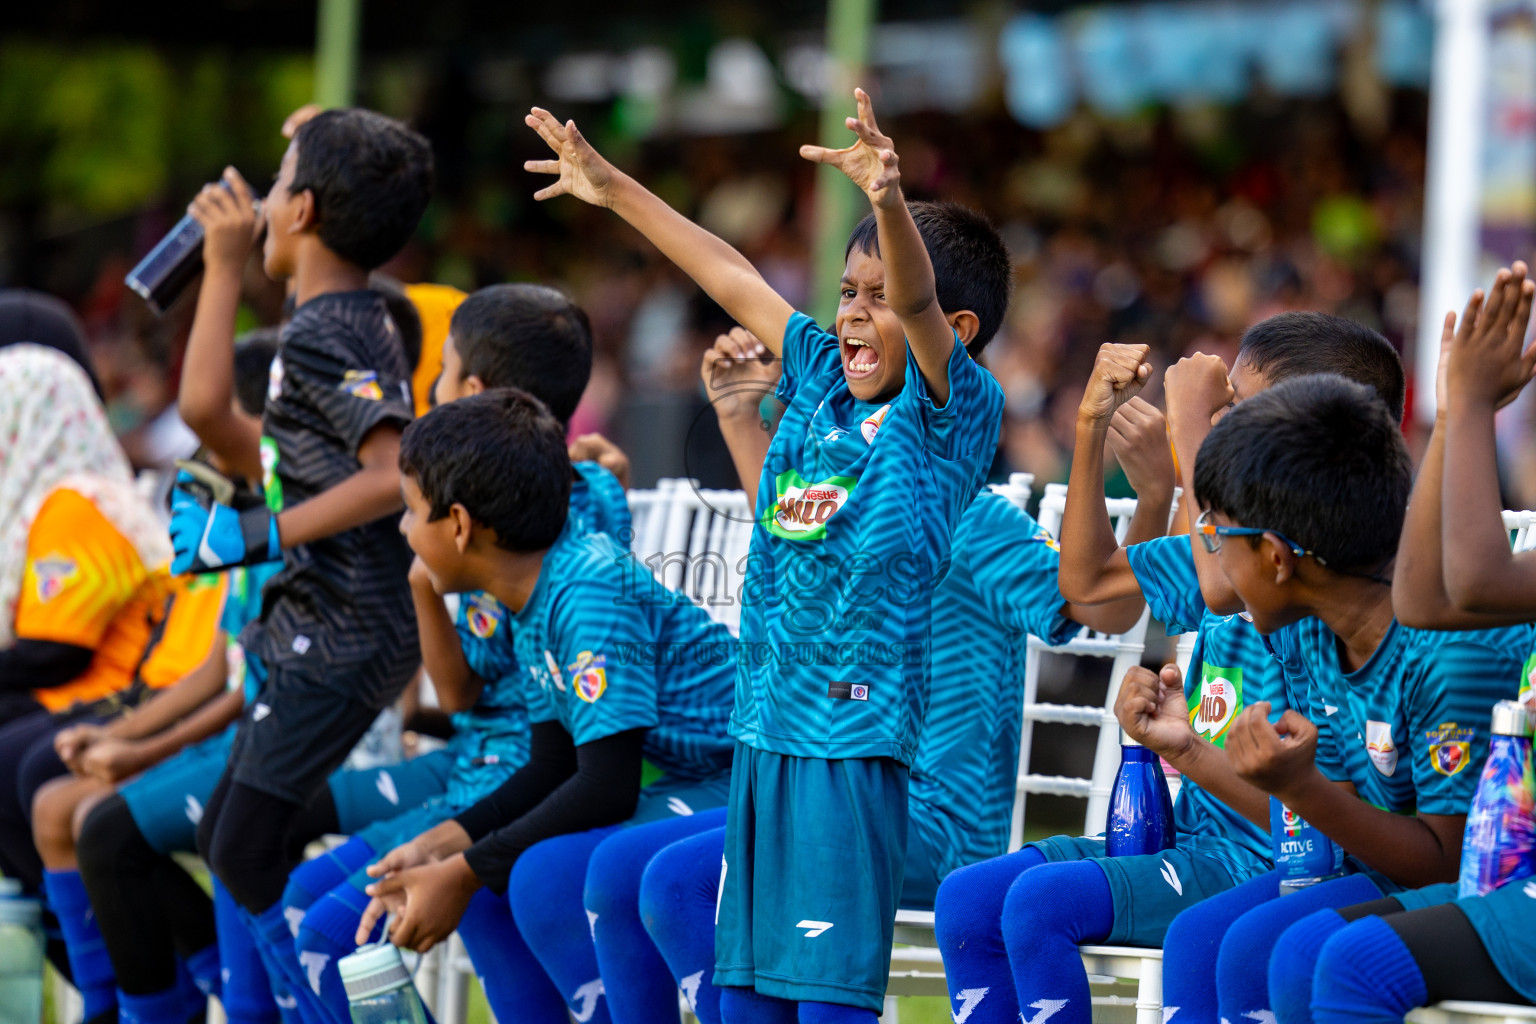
[372,970]
[1511,718]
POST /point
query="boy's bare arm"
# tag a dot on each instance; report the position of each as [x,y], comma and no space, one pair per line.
[205,398]
[1419,595]
[371,493]
[1196,389]
[712,263]
[871,164]
[1487,368]
[457,685]
[1094,568]
[1280,759]
[737,375]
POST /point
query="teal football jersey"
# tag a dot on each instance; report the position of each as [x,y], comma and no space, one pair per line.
[1000,589]
[608,649]
[1409,728]
[857,506]
[490,740]
[1230,669]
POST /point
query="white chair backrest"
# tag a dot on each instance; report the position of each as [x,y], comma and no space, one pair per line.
[1520,526]
[694,541]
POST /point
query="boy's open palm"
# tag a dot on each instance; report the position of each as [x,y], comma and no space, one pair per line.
[1489,360]
[1152,711]
[1119,372]
[581,170]
[869,163]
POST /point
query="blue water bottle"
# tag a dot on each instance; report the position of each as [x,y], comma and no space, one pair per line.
[1499,845]
[379,988]
[1303,855]
[1140,807]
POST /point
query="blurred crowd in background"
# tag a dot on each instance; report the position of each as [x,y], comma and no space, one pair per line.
[1171,221]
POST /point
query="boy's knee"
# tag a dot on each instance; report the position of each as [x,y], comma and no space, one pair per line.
[1068,901]
[53,815]
[544,870]
[614,873]
[970,902]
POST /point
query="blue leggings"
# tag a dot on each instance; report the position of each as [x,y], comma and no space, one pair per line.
[678,893]
[639,988]
[1216,957]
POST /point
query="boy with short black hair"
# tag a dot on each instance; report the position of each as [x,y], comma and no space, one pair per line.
[1304,490]
[337,636]
[486,484]
[888,433]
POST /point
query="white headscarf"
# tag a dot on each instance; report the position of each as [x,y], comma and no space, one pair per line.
[53,433]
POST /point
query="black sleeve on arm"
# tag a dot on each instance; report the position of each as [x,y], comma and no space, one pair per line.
[38,664]
[551,760]
[604,791]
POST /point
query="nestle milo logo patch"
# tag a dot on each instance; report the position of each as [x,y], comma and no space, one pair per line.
[802,509]
[1216,703]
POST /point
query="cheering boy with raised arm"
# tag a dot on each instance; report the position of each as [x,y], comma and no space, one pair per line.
[874,461]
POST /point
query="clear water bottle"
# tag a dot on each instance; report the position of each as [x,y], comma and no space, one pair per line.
[21,956]
[379,988]
[1303,855]
[1499,845]
[1140,807]
[164,273]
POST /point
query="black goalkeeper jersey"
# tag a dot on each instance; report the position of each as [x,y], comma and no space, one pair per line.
[342,601]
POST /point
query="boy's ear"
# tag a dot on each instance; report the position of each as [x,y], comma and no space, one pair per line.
[473,385]
[966,324]
[1278,558]
[463,527]
[304,212]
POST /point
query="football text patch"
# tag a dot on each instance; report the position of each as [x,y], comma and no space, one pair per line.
[1450,747]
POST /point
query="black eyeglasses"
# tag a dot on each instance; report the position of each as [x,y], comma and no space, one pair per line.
[1211,534]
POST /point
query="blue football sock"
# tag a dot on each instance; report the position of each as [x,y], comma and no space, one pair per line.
[638,986]
[545,894]
[244,989]
[274,941]
[329,932]
[1366,975]
[1049,911]
[88,959]
[203,968]
[748,1006]
[678,894]
[835,1013]
[514,981]
[968,924]
[168,1007]
[1242,965]
[1192,943]
[1293,963]
[318,876]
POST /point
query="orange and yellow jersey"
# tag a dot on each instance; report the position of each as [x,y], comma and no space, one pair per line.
[435,304]
[186,637]
[85,584]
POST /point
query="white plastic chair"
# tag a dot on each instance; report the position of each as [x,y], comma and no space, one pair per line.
[1456,1011]
[695,541]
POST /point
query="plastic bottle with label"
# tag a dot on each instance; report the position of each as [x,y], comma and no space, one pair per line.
[379,988]
[1140,807]
[1499,845]
[1303,855]
[21,955]
[166,270]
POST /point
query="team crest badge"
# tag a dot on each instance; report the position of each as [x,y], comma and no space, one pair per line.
[589,676]
[1378,744]
[1450,748]
[1214,707]
[484,615]
[362,384]
[870,427]
[1043,536]
[53,574]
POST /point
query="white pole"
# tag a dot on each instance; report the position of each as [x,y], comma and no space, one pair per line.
[1452,190]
